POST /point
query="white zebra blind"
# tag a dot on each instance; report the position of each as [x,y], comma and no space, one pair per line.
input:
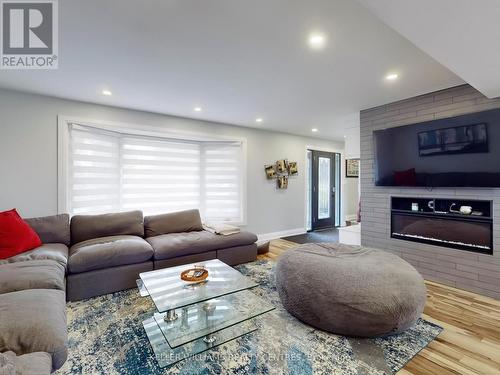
[111,171]
[222,166]
[94,172]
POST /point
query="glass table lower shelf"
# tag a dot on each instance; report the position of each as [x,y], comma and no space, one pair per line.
[204,325]
[203,318]
[167,356]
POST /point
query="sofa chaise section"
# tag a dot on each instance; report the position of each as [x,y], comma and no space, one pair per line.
[34,320]
[178,238]
[107,254]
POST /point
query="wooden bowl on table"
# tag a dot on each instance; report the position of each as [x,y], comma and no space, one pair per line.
[194,275]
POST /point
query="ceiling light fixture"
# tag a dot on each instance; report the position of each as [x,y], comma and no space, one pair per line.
[197,109]
[259,120]
[317,40]
[391,76]
[107,92]
[314,130]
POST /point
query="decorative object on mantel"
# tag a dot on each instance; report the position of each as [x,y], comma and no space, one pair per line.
[464,210]
[281,171]
[352,168]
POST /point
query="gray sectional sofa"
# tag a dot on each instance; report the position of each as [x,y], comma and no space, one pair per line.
[89,256]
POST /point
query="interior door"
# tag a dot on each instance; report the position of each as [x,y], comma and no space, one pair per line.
[323,190]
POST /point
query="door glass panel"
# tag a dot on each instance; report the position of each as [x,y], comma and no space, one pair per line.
[309,190]
[336,176]
[323,188]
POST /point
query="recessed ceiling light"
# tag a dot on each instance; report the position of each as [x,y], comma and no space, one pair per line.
[317,40]
[391,76]
[345,136]
[107,92]
[259,120]
[314,130]
[197,109]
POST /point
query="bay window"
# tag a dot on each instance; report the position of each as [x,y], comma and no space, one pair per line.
[109,171]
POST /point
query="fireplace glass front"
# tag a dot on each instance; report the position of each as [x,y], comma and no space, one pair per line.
[450,232]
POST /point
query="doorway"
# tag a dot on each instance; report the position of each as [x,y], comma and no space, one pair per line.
[323,190]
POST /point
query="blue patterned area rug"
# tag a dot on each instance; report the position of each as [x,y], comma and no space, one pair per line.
[106,336]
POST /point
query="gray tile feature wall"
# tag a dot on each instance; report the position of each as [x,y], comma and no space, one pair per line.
[461,269]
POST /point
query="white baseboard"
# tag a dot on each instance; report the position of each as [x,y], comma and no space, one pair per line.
[275,235]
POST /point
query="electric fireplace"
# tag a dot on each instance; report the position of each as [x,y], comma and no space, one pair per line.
[459,224]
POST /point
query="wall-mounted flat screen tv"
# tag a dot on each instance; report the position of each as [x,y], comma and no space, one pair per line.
[462,151]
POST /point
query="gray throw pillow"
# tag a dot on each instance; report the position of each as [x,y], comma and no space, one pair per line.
[175,222]
[86,227]
[51,229]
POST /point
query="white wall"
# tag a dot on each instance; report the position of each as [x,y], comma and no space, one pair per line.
[351,197]
[352,142]
[28,157]
[351,185]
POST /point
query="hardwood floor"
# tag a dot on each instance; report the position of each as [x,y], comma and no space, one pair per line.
[470,341]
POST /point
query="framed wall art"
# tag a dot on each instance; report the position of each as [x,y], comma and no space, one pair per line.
[352,168]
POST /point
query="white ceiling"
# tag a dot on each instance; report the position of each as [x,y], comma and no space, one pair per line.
[237,59]
[463,35]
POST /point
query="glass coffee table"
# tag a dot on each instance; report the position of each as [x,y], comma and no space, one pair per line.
[192,318]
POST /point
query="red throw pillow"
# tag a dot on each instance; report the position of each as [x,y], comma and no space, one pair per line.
[16,236]
[405,178]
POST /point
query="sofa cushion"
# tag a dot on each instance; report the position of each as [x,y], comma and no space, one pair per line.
[35,274]
[51,229]
[34,320]
[38,363]
[179,244]
[16,236]
[53,251]
[108,252]
[86,227]
[175,222]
